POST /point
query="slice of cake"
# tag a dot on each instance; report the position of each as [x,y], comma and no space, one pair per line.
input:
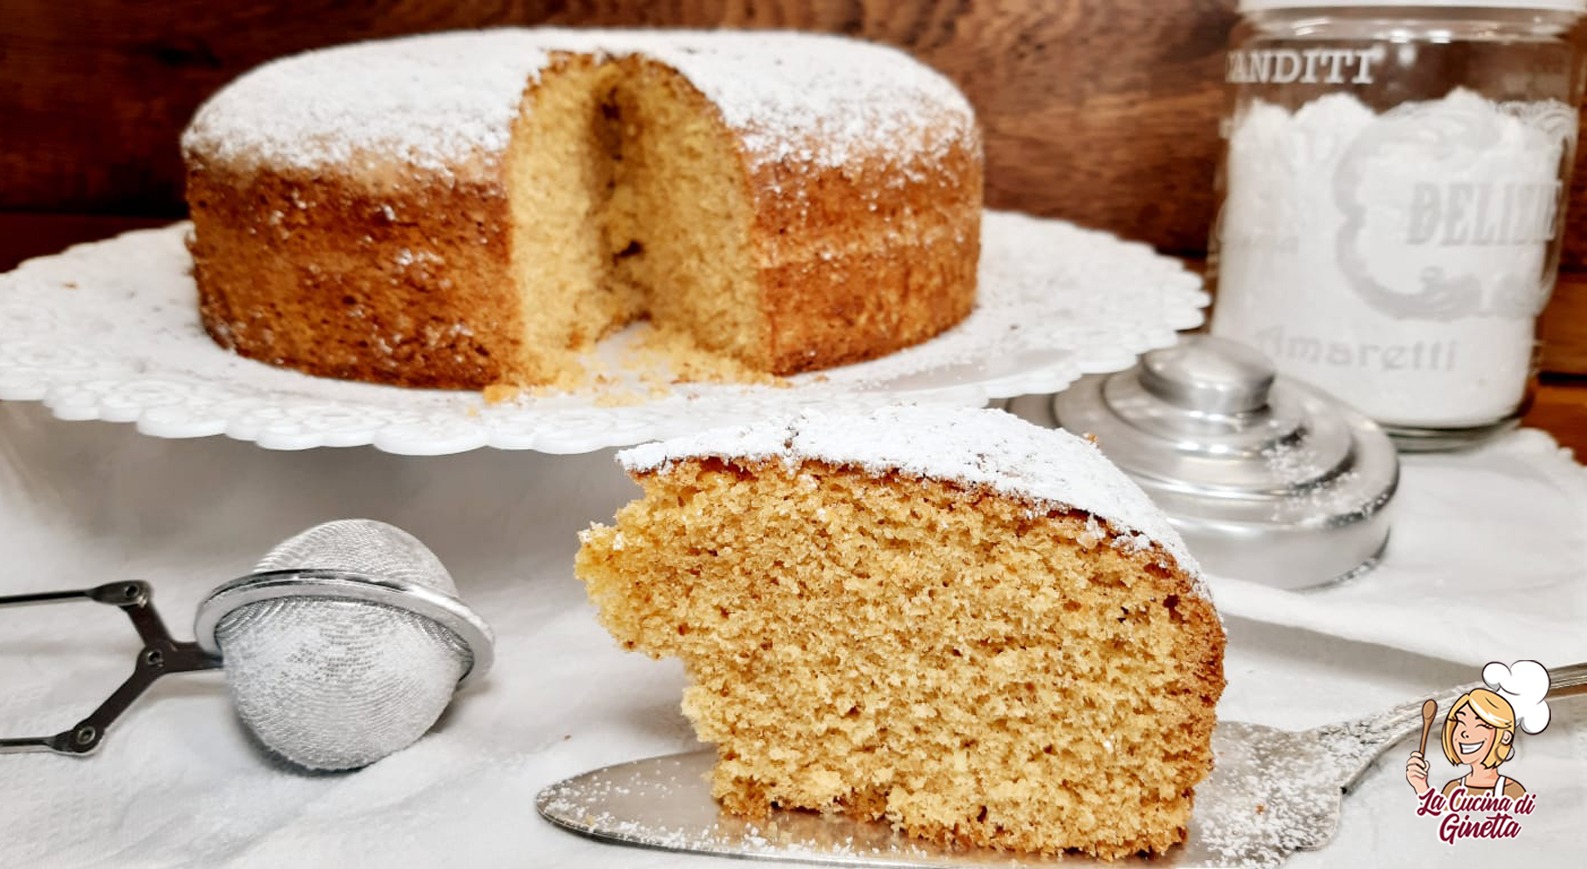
[974,628]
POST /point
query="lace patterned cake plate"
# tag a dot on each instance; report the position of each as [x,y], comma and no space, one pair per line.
[110,331]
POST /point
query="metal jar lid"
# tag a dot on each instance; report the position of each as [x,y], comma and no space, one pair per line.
[1266,478]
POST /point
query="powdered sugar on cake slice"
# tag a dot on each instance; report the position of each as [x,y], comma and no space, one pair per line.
[1051,469]
[434,101]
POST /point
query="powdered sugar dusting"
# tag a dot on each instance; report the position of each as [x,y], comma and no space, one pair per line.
[436,100]
[1052,468]
[429,101]
[817,99]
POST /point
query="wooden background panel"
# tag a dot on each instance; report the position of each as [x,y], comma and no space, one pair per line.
[1100,111]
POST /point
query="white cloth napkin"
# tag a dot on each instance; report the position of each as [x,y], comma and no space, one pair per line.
[1487,560]
[1496,534]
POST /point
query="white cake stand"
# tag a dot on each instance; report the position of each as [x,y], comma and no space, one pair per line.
[110,331]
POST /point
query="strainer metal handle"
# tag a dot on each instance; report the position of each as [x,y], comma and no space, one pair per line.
[160,655]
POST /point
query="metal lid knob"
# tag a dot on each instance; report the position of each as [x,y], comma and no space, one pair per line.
[1209,375]
[1266,478]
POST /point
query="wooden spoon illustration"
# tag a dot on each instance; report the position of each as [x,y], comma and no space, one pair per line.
[1429,709]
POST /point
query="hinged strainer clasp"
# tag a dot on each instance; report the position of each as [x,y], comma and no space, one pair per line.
[160,655]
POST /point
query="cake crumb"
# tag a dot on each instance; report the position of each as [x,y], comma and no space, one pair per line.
[669,357]
[501,393]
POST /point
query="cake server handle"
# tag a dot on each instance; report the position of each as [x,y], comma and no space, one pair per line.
[160,655]
[1360,742]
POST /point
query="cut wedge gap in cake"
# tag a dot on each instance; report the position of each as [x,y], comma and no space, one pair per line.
[680,222]
[629,201]
[559,185]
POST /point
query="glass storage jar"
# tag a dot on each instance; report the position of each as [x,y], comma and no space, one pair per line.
[1392,199]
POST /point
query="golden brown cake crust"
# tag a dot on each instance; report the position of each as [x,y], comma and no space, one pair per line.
[378,269]
[339,278]
[860,265]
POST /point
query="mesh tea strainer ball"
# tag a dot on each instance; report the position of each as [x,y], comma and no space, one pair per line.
[344,645]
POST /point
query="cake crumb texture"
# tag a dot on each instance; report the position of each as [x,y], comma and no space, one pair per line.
[975,666]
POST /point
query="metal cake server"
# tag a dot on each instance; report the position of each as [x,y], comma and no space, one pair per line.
[1271,792]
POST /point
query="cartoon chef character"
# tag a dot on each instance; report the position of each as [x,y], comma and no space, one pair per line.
[1479,731]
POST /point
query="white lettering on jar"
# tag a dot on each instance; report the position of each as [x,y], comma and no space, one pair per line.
[1283,345]
[1482,213]
[1296,66]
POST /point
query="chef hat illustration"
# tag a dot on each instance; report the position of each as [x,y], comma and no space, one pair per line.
[1524,684]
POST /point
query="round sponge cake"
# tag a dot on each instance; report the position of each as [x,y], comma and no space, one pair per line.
[465,209]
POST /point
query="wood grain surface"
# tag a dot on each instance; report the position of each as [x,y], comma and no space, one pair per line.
[1559,407]
[1104,112]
